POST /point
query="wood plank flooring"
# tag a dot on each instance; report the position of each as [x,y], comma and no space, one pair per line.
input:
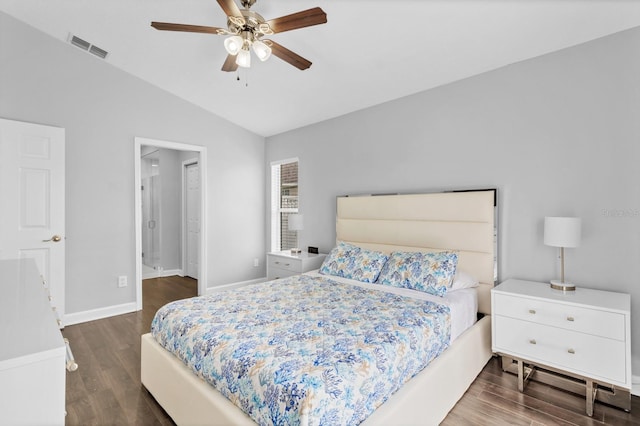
[106,388]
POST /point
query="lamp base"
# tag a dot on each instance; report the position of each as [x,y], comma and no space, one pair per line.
[296,251]
[559,285]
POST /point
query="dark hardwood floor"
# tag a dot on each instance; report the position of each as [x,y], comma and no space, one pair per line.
[106,389]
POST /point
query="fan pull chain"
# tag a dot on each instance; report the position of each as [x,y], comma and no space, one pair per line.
[246,76]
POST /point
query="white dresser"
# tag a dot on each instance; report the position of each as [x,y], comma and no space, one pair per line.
[32,350]
[584,334]
[281,264]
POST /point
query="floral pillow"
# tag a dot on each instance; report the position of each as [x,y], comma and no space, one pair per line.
[355,263]
[428,272]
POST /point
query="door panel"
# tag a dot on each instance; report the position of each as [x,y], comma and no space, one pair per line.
[193,218]
[32,161]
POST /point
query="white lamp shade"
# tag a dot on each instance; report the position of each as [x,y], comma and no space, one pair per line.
[562,231]
[296,222]
[243,58]
[263,52]
[233,44]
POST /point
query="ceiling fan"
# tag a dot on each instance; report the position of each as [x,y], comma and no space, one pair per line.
[246,29]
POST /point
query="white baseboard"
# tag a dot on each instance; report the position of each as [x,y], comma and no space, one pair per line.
[211,290]
[96,314]
[171,272]
[163,273]
[126,308]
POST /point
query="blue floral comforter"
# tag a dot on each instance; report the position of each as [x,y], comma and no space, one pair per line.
[304,350]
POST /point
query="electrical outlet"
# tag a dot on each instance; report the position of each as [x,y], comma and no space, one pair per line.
[122,281]
[256,262]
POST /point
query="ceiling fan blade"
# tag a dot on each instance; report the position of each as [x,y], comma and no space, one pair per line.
[230,64]
[167,26]
[230,7]
[288,56]
[305,18]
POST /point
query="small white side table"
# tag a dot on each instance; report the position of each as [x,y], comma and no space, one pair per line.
[584,334]
[281,264]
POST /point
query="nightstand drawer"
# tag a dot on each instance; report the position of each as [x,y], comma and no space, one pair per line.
[288,264]
[582,354]
[277,273]
[590,321]
[284,264]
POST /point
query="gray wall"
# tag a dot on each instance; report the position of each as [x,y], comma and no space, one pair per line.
[170,209]
[557,135]
[44,80]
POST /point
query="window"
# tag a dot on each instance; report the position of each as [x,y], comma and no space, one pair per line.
[284,201]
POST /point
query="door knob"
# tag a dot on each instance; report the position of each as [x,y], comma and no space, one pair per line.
[55,239]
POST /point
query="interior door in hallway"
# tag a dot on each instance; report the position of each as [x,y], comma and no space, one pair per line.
[32,190]
[192,218]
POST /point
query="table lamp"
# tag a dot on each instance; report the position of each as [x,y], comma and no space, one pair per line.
[562,232]
[296,224]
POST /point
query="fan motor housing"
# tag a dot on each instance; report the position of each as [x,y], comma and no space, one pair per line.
[253,22]
[248,3]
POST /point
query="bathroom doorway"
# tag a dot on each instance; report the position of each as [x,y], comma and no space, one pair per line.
[169,233]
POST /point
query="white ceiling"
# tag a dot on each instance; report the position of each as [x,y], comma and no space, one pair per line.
[369,52]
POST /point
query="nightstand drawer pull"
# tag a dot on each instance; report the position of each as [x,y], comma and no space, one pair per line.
[571,351]
[532,311]
[285,264]
[532,341]
[570,319]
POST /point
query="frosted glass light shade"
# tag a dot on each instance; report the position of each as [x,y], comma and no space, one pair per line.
[233,44]
[243,58]
[296,222]
[562,231]
[262,51]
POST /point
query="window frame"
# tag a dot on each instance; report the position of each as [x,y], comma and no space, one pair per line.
[276,194]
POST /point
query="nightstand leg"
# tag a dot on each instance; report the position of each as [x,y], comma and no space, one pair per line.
[591,396]
[520,375]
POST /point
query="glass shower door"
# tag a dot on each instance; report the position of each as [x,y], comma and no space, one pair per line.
[151,216]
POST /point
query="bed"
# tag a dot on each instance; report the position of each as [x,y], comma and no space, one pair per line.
[463,222]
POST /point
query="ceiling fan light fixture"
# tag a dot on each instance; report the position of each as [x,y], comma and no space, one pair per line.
[262,51]
[245,29]
[243,58]
[233,44]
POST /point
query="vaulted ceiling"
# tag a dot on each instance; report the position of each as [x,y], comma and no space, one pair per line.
[369,52]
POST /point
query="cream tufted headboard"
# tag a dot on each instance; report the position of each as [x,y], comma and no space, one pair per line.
[462,221]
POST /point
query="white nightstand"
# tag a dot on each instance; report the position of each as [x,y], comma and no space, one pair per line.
[583,334]
[281,264]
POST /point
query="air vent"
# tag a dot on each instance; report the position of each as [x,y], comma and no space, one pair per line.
[85,45]
[98,52]
[77,41]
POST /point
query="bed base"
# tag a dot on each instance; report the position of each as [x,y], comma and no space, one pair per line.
[189,400]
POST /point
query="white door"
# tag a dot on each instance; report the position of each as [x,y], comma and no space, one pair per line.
[32,193]
[192,216]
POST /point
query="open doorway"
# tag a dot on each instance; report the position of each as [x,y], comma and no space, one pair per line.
[170,218]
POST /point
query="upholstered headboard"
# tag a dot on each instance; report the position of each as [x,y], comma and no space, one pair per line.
[462,221]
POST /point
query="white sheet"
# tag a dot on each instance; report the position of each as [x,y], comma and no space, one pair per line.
[462,303]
